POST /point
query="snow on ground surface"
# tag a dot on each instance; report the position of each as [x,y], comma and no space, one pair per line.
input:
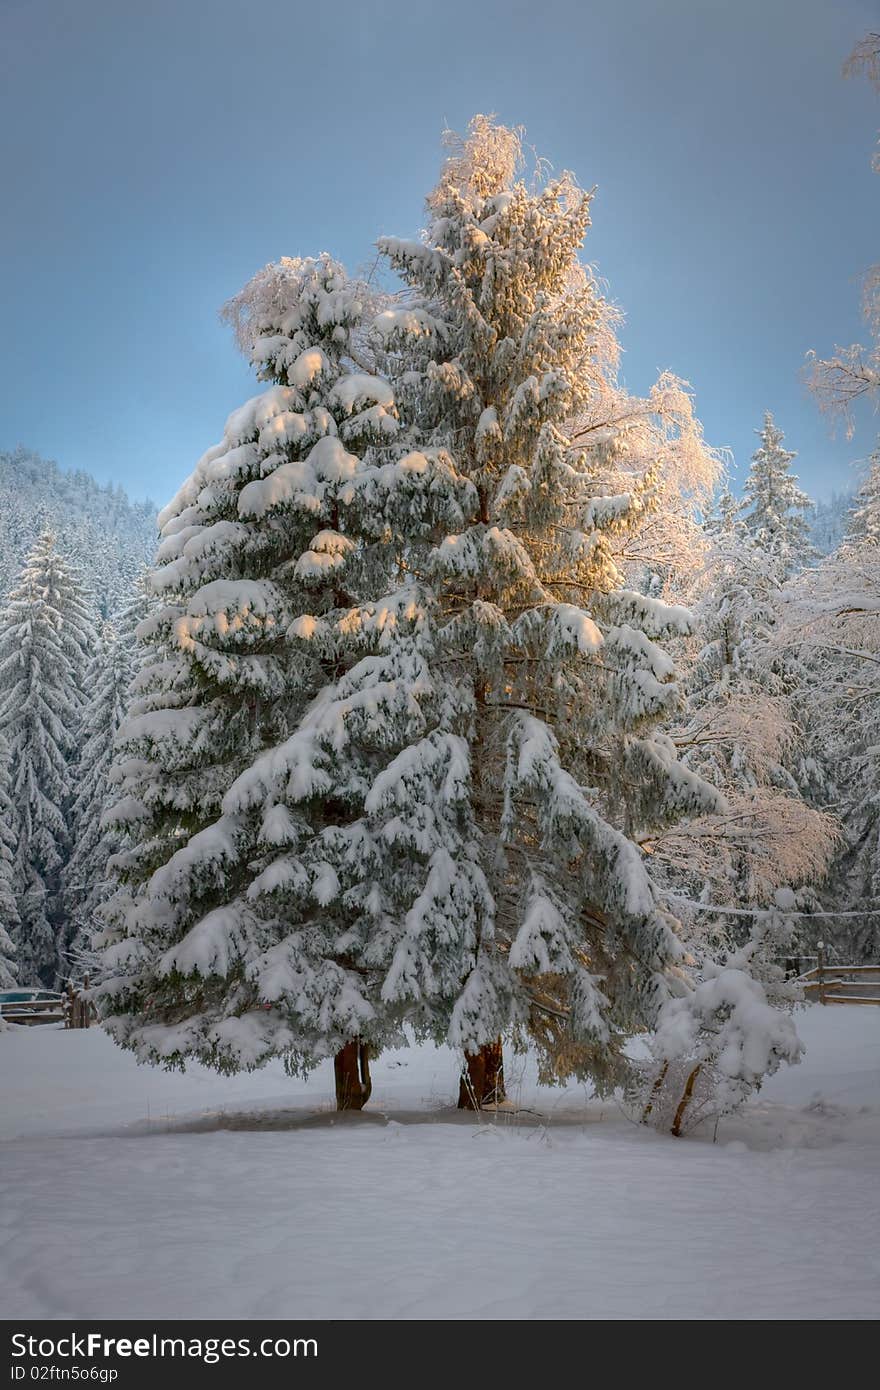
[130,1192]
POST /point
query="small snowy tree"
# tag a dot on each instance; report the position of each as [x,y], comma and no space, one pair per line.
[107,683]
[45,635]
[722,514]
[716,1043]
[774,509]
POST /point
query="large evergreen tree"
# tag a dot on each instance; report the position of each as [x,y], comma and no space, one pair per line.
[45,635]
[256,574]
[401,736]
[554,684]
[474,881]
[774,508]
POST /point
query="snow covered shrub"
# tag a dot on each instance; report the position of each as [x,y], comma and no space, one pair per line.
[714,1044]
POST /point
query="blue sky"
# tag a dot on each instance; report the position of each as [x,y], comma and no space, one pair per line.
[153,156]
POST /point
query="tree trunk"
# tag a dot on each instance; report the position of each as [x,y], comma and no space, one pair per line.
[655,1091]
[685,1101]
[352,1069]
[482,1080]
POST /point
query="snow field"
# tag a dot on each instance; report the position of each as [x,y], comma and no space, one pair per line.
[129,1192]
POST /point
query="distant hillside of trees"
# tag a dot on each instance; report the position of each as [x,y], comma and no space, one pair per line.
[106,535]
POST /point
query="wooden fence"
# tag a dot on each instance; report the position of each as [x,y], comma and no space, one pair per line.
[841,984]
[72,1008]
[79,1011]
[32,1011]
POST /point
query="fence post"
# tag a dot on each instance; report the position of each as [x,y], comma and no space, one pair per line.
[820,957]
[86,1003]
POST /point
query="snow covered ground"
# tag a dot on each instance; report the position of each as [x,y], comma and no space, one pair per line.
[131,1192]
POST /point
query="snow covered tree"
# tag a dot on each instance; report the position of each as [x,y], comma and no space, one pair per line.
[832,624]
[45,635]
[402,730]
[774,508]
[722,514]
[554,686]
[107,683]
[9,921]
[221,942]
[741,731]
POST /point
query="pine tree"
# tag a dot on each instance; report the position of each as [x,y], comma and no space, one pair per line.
[107,683]
[45,635]
[723,514]
[213,949]
[9,920]
[834,624]
[774,508]
[553,681]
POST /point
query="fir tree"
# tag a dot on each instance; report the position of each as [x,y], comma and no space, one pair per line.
[9,920]
[401,735]
[45,635]
[774,508]
[108,679]
[104,535]
[480,885]
[553,679]
[214,949]
[723,514]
